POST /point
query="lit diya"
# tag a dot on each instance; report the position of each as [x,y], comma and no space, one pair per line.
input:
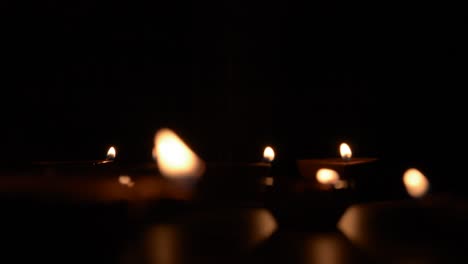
[212,183]
[318,191]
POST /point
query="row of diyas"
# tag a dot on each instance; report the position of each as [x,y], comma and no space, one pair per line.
[175,172]
[325,189]
[179,164]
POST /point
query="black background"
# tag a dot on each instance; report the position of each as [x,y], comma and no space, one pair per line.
[233,76]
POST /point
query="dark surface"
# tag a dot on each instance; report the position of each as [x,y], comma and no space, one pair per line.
[431,230]
[84,214]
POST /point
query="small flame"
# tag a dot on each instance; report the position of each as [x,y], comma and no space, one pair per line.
[111,153]
[174,158]
[327,176]
[269,154]
[345,151]
[416,183]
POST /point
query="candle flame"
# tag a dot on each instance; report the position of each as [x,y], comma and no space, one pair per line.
[415,182]
[327,176]
[174,158]
[345,151]
[269,154]
[111,153]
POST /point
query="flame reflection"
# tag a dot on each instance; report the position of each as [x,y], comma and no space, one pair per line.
[126,180]
[352,224]
[264,225]
[327,176]
[164,244]
[328,248]
[209,237]
[269,181]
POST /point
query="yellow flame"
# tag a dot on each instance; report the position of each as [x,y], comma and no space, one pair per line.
[416,183]
[174,158]
[111,153]
[345,151]
[269,154]
[327,176]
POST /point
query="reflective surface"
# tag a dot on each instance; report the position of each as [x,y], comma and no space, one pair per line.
[432,230]
[218,236]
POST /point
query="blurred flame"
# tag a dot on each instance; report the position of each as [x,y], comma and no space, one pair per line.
[126,180]
[111,153]
[327,176]
[345,151]
[326,248]
[269,154]
[174,158]
[416,183]
[269,181]
[341,184]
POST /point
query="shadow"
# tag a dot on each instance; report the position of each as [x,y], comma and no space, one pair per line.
[55,232]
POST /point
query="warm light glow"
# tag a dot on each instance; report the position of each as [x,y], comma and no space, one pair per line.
[111,153]
[269,181]
[126,180]
[164,244]
[326,248]
[327,176]
[416,183]
[174,158]
[354,224]
[261,225]
[345,151]
[341,184]
[269,154]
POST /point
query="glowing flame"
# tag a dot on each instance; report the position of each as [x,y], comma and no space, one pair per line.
[416,183]
[174,158]
[269,154]
[111,153]
[345,151]
[327,176]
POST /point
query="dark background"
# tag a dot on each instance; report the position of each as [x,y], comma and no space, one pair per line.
[233,76]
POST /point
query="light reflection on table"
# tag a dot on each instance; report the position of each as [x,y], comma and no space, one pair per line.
[407,231]
[432,230]
[212,236]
